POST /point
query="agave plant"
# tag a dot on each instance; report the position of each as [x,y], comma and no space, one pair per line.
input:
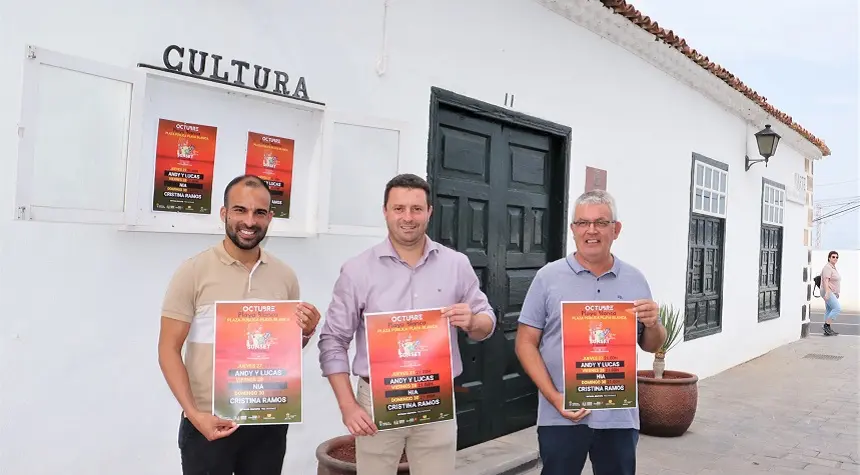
[670,318]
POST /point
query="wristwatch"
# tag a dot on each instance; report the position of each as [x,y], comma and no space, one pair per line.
[307,337]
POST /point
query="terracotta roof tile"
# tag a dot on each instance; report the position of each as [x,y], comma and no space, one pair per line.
[623,8]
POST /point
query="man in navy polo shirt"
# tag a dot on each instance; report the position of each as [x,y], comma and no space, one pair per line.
[592,273]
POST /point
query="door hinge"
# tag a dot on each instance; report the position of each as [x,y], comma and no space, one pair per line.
[22,212]
[31,52]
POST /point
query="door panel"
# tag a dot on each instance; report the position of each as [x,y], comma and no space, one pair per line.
[704,276]
[491,186]
[770,272]
[526,189]
[461,221]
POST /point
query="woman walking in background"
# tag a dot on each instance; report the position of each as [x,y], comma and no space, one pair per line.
[830,281]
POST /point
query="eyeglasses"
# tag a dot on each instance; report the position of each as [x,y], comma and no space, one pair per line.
[599,224]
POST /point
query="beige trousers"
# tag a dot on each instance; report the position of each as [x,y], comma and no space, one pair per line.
[430,448]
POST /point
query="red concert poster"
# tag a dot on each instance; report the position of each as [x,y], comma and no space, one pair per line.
[599,355]
[184,163]
[411,373]
[257,369]
[271,159]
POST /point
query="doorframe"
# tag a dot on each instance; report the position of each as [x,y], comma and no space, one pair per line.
[562,133]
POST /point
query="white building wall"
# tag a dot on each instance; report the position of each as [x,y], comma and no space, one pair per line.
[82,302]
[849,270]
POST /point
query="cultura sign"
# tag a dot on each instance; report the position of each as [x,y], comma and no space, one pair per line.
[234,72]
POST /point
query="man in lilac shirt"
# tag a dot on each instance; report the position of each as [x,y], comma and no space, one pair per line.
[405,271]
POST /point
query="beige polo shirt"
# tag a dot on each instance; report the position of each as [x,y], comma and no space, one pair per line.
[835,280]
[210,276]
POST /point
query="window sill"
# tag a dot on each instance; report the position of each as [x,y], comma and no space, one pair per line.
[767,316]
[690,335]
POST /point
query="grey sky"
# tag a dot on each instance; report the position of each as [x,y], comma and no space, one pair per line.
[802,55]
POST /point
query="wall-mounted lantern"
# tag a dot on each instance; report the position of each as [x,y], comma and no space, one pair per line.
[767,141]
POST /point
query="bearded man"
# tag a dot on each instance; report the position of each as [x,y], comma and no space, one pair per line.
[236,268]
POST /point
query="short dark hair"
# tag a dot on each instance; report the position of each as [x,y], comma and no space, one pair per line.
[407,180]
[252,181]
[830,254]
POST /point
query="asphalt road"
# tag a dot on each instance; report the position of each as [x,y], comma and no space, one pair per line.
[845,324]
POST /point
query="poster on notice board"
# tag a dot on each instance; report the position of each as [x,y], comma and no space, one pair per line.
[271,158]
[184,163]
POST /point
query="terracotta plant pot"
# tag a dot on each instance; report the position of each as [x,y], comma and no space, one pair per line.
[667,406]
[337,457]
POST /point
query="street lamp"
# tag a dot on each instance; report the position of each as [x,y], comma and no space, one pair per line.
[767,141]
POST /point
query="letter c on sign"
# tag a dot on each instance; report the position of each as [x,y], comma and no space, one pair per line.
[165,57]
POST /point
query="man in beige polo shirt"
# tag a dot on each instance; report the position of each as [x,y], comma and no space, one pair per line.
[236,268]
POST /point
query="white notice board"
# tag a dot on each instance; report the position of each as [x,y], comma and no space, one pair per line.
[234,114]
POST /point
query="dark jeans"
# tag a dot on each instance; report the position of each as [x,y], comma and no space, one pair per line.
[563,450]
[250,450]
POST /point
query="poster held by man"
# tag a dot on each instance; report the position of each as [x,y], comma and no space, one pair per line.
[257,368]
[410,365]
[599,355]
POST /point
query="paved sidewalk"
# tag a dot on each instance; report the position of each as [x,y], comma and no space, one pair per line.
[782,413]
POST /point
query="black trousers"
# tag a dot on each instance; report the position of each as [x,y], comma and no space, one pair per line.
[250,450]
[563,450]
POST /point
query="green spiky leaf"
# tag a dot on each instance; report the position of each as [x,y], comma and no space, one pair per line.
[672,320]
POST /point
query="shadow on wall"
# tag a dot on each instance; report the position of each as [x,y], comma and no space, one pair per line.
[849,269]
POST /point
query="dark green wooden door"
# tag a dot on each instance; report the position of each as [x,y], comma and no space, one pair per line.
[492,201]
[704,299]
[770,272]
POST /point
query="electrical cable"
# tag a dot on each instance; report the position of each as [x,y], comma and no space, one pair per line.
[843,207]
[836,201]
[836,183]
[837,213]
[831,214]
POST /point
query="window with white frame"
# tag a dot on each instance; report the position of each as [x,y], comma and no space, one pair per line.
[773,196]
[773,205]
[709,190]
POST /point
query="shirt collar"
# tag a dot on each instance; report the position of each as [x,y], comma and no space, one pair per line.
[579,269]
[227,259]
[386,249]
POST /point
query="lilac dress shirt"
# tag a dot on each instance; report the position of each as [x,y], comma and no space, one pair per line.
[377,280]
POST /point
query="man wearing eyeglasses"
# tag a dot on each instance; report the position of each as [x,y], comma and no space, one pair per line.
[591,273]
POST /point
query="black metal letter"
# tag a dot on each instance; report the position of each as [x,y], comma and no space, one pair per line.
[193,62]
[257,77]
[281,80]
[166,59]
[240,64]
[301,89]
[214,74]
